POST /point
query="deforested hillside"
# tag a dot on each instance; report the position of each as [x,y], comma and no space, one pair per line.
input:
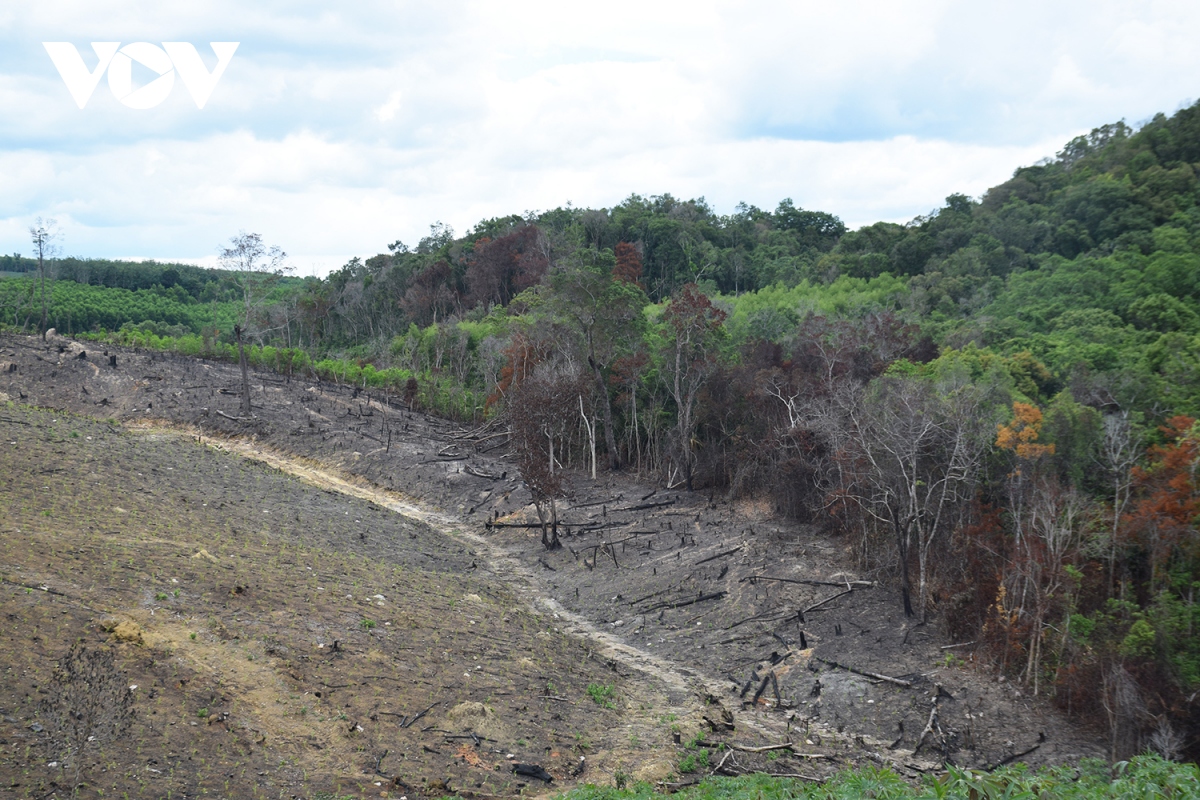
[992,408]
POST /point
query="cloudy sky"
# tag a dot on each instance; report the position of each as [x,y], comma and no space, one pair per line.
[338,128]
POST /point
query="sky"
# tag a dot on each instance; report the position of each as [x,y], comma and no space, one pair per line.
[338,128]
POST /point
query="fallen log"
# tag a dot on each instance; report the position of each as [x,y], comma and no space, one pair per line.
[645,506]
[478,474]
[1011,758]
[729,552]
[807,582]
[815,606]
[865,674]
[702,598]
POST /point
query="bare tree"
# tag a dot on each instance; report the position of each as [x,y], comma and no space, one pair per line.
[690,356]
[45,236]
[921,442]
[1119,455]
[539,410]
[255,269]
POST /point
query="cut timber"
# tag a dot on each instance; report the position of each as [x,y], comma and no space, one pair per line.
[680,604]
[728,552]
[815,606]
[765,749]
[865,674]
[859,584]
[645,506]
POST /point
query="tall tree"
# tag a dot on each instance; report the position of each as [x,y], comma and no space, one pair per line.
[539,409]
[430,295]
[690,354]
[45,235]
[606,314]
[502,268]
[922,440]
[255,269]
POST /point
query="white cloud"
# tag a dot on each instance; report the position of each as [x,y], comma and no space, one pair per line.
[336,131]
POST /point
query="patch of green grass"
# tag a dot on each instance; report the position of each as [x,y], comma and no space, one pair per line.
[602,694]
[1091,779]
[367,624]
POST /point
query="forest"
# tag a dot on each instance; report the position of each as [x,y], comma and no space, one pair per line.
[994,404]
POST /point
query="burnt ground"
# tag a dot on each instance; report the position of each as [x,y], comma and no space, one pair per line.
[680,600]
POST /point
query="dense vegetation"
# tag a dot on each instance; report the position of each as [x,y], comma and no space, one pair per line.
[1148,776]
[994,403]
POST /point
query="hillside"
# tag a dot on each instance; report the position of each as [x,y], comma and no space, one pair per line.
[344,563]
[991,409]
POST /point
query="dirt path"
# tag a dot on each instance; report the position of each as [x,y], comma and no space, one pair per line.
[500,561]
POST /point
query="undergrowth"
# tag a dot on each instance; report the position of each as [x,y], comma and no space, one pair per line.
[1148,776]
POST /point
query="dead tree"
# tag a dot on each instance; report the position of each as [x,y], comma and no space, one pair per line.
[921,442]
[539,410]
[255,269]
[44,234]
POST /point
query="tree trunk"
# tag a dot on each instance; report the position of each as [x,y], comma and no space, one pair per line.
[590,425]
[610,441]
[237,331]
[42,270]
[902,545]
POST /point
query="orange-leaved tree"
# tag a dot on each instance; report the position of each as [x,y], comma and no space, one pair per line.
[1164,518]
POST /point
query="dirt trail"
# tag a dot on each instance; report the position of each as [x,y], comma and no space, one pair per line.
[500,561]
[693,696]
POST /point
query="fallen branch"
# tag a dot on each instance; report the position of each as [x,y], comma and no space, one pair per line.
[645,506]
[721,763]
[766,749]
[798,775]
[486,476]
[728,552]
[787,612]
[1012,758]
[407,722]
[756,578]
[960,644]
[606,501]
[815,606]
[933,720]
[235,419]
[865,674]
[647,597]
[702,598]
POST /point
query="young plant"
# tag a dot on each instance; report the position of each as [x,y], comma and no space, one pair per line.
[602,694]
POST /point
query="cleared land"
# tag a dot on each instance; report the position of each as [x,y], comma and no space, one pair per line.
[670,598]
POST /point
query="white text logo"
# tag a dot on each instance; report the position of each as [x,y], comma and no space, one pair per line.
[164,61]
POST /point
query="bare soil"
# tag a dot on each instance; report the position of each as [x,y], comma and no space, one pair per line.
[685,604]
